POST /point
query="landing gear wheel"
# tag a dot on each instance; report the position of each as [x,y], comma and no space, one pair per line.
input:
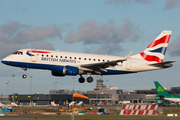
[81,80]
[89,79]
[24,76]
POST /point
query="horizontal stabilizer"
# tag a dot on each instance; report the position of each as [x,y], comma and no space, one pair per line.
[165,64]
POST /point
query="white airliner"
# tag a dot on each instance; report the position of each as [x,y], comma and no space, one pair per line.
[70,63]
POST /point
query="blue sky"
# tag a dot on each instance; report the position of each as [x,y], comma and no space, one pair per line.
[113,27]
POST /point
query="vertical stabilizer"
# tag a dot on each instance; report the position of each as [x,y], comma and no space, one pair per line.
[155,52]
[160,90]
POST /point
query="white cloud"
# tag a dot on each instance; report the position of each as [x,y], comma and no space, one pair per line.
[171,4]
[37,34]
[108,48]
[15,35]
[105,35]
[118,1]
[90,32]
[143,1]
[174,48]
[128,1]
[95,33]
[42,45]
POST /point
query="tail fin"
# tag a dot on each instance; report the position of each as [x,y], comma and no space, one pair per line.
[156,50]
[160,90]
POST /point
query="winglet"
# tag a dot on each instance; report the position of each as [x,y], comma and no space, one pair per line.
[127,57]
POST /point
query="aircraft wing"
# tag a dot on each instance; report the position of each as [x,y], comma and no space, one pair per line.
[163,64]
[96,67]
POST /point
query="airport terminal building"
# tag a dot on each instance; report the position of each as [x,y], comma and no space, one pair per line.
[101,95]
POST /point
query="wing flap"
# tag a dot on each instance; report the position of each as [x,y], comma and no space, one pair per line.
[103,65]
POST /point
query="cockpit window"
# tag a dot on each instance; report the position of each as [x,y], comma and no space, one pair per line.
[18,53]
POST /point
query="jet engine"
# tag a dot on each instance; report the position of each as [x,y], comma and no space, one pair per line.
[55,73]
[64,70]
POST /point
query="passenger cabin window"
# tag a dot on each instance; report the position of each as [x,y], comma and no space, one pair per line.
[51,55]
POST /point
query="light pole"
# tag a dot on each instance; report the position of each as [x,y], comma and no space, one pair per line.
[6,88]
[53,86]
[56,85]
[13,86]
[9,87]
[107,83]
[73,100]
[30,84]
[73,83]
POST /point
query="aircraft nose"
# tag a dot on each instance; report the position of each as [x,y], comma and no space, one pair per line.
[4,61]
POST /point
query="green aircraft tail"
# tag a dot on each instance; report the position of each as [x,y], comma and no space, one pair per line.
[160,90]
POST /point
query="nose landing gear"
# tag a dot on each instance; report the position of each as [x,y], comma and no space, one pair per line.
[24,76]
[25,71]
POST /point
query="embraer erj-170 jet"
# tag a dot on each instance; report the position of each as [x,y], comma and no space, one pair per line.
[70,63]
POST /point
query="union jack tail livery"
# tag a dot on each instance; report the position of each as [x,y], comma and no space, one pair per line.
[156,50]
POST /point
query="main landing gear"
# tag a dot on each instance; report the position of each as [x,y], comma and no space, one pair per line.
[82,80]
[25,71]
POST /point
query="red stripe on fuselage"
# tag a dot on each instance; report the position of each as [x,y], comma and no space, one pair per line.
[164,39]
[151,57]
[34,51]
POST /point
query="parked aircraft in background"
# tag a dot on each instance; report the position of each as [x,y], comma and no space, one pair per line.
[70,63]
[162,92]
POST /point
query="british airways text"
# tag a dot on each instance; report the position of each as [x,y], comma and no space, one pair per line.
[57,60]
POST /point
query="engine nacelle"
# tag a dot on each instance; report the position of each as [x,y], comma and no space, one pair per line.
[64,70]
[69,70]
[55,73]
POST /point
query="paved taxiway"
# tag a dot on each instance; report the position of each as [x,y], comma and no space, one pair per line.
[88,117]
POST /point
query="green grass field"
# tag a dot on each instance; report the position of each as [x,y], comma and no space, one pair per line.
[93,116]
[86,117]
